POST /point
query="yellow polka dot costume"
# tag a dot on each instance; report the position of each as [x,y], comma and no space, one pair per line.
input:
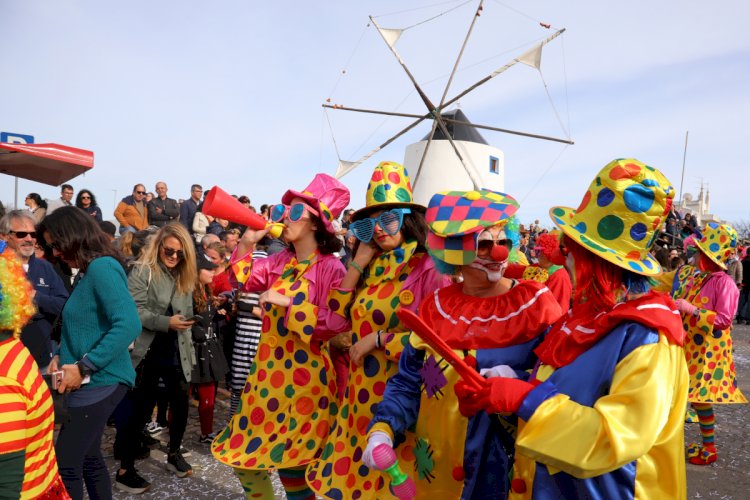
[399,278]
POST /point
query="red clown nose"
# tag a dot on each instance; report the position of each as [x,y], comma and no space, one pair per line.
[499,253]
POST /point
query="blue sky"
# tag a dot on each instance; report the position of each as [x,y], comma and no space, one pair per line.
[229,92]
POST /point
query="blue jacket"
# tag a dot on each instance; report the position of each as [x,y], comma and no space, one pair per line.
[50,298]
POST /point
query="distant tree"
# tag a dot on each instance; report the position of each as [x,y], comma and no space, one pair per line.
[743,229]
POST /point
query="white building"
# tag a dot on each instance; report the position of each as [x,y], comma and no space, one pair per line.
[700,207]
[443,171]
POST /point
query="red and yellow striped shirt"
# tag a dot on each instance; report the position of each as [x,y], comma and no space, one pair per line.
[28,418]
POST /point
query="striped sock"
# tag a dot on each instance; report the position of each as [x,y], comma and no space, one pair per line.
[294,483]
[706,420]
[256,483]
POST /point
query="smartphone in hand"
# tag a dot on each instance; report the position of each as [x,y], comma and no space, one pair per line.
[53,379]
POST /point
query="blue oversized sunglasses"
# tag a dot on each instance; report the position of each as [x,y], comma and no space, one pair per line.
[295,211]
[389,221]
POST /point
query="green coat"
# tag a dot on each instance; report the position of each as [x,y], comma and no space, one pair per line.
[151,292]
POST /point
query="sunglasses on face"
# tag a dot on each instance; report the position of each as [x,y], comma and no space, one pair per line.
[169,252]
[294,212]
[487,244]
[389,221]
[22,234]
[140,192]
[85,197]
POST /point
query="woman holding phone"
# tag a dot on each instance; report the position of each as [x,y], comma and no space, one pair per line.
[161,283]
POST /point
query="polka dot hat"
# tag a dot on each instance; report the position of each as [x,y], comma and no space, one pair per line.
[620,215]
[717,241]
[389,187]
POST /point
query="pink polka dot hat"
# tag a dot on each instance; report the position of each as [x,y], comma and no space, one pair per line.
[620,215]
[717,241]
[326,195]
[389,187]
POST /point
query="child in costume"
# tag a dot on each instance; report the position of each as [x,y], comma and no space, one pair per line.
[492,322]
[601,416]
[548,269]
[390,270]
[289,401]
[28,466]
[707,298]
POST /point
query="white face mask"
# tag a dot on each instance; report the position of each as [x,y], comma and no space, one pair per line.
[493,269]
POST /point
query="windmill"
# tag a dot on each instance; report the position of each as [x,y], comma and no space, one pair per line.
[445,123]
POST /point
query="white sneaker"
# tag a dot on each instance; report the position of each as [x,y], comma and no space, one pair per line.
[153,427]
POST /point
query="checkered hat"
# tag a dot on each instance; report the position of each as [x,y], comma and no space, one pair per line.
[456,218]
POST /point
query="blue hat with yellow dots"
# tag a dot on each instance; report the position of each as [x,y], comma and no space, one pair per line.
[717,241]
[620,215]
[456,218]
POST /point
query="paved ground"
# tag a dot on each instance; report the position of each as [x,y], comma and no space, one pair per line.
[728,478]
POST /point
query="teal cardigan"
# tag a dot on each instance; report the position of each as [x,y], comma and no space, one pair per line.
[100,320]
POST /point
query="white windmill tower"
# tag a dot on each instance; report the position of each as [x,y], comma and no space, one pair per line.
[453,155]
[444,170]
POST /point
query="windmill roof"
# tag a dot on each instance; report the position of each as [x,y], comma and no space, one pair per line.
[457,131]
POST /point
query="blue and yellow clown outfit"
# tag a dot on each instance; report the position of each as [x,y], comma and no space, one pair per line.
[602,414]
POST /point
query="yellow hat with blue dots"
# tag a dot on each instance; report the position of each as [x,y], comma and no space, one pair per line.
[620,215]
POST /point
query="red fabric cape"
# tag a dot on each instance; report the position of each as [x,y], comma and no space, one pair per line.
[522,313]
[579,330]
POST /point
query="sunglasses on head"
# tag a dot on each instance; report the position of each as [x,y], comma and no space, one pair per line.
[389,221]
[22,234]
[487,244]
[294,212]
[169,252]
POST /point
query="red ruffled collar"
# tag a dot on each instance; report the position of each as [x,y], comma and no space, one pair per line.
[468,322]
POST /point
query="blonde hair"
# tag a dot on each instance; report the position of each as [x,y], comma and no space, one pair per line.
[185,273]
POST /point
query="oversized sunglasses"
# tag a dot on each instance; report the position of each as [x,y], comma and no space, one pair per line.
[22,234]
[294,211]
[486,245]
[389,221]
[169,252]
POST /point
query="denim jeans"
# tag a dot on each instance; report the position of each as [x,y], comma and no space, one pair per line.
[78,448]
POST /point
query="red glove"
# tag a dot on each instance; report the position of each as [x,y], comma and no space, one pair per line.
[497,395]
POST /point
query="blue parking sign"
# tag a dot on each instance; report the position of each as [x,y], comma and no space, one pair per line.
[13,138]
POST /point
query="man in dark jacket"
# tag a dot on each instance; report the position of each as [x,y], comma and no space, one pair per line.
[161,209]
[189,207]
[17,229]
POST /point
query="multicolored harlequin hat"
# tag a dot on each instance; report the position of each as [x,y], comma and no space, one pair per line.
[389,187]
[717,241]
[456,218]
[326,195]
[620,214]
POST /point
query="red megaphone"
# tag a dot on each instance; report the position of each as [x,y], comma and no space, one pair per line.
[221,204]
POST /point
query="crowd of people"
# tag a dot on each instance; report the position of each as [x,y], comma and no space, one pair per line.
[395,349]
